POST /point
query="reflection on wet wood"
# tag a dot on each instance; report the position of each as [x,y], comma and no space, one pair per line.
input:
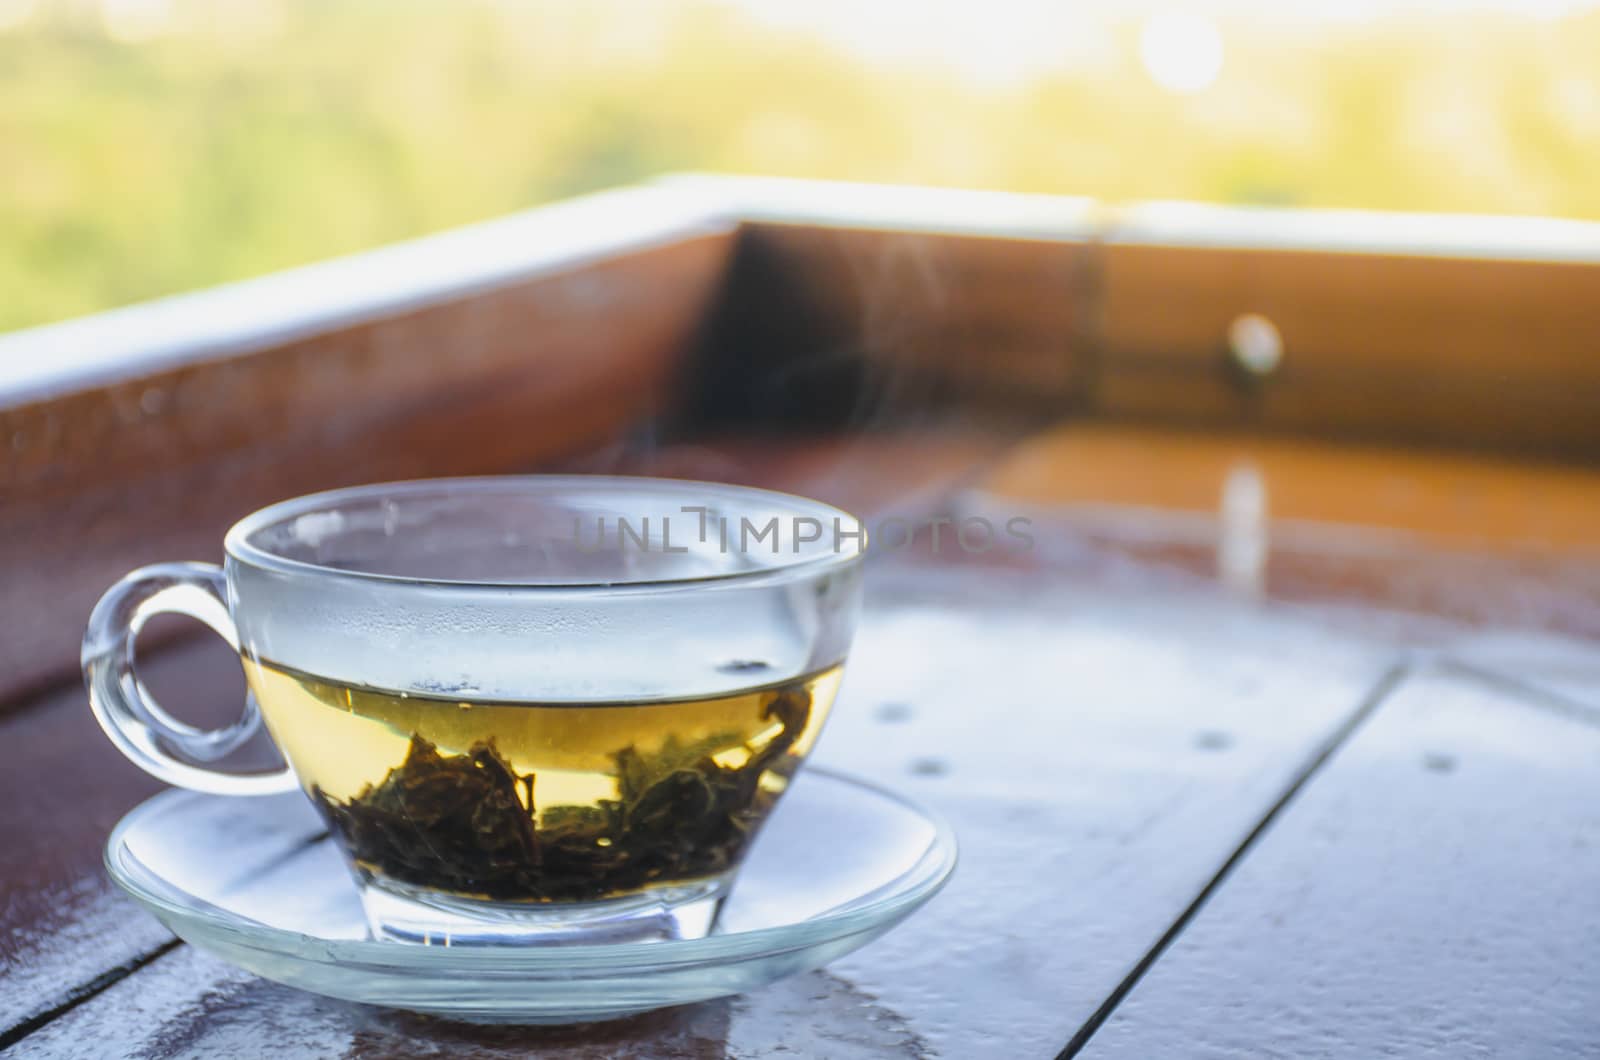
[1483,541]
[1458,501]
[189,1004]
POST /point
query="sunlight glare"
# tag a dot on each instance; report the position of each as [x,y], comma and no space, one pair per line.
[1181,52]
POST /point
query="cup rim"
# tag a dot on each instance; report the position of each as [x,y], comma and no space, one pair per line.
[239,548]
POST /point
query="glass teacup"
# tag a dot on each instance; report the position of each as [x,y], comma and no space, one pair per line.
[553,708]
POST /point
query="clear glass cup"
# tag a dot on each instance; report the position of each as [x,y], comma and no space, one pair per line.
[530,709]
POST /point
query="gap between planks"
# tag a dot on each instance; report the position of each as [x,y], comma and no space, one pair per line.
[84,992]
[1385,687]
[112,976]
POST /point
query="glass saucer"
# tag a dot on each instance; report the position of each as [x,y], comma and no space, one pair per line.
[256,882]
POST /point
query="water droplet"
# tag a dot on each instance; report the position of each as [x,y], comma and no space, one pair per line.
[930,767]
[895,712]
[1439,762]
[1213,740]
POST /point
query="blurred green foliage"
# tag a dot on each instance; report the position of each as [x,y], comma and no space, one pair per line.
[228,138]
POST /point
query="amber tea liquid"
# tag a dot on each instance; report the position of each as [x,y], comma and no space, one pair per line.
[540,802]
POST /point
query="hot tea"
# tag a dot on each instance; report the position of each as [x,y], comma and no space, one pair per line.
[484,798]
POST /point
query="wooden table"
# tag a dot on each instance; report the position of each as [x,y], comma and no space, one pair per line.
[1270,745]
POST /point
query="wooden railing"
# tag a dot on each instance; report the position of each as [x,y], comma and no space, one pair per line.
[699,304]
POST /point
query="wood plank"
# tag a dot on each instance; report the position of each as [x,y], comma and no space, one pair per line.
[871,328]
[1484,503]
[1430,893]
[1492,354]
[1564,672]
[62,923]
[101,480]
[187,1004]
[1099,753]
[1446,316]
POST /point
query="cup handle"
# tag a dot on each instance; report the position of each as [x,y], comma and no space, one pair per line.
[152,739]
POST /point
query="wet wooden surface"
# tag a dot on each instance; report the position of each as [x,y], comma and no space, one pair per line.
[191,1005]
[1408,539]
[1430,894]
[1176,760]
[1100,752]
[66,924]
[1398,495]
